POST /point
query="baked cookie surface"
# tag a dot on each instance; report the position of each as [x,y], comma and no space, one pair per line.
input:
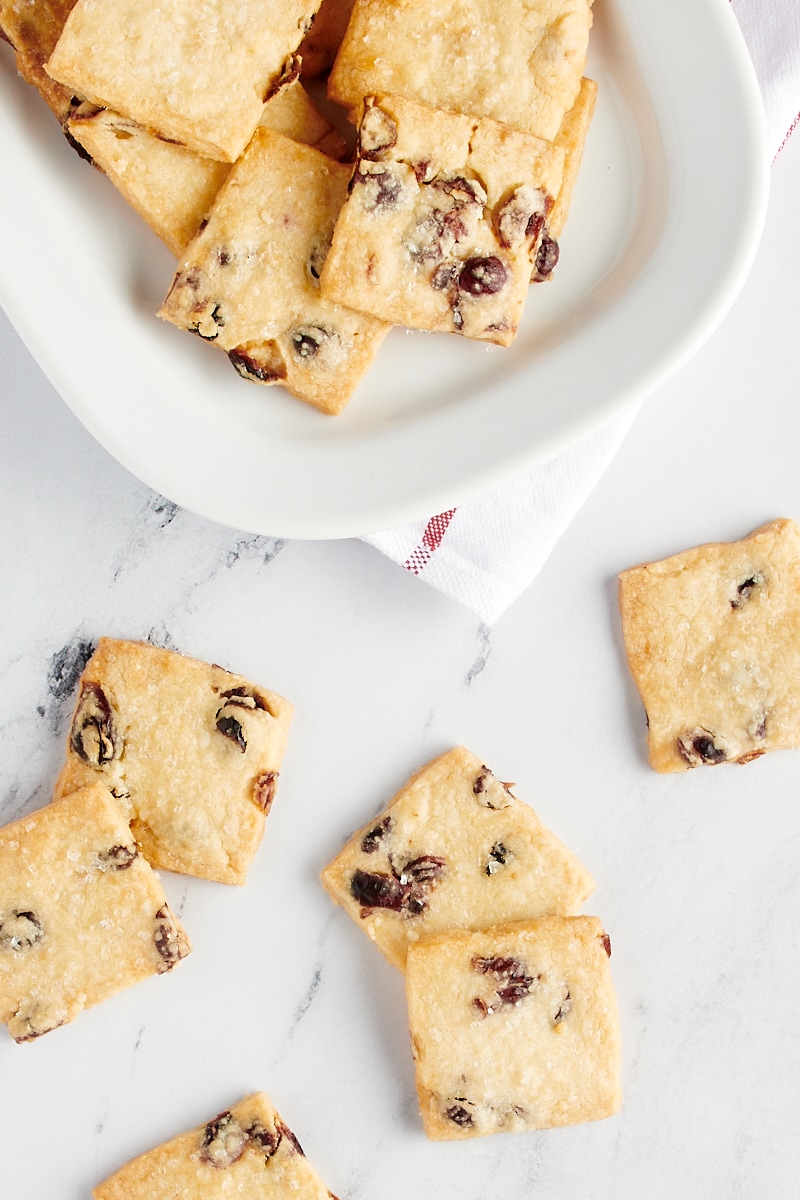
[194,73]
[519,62]
[245,1151]
[445,223]
[82,914]
[514,1027]
[249,281]
[454,849]
[712,637]
[173,188]
[192,751]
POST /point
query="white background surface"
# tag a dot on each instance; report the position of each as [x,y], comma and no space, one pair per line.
[698,878]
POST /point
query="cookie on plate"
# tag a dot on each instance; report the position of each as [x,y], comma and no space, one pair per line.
[248,1150]
[191,750]
[454,849]
[514,1028]
[519,62]
[191,73]
[446,221]
[32,28]
[249,281]
[173,188]
[571,137]
[713,642]
[82,915]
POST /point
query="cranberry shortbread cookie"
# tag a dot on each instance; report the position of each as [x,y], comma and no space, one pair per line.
[516,61]
[173,188]
[248,1151]
[713,641]
[82,915]
[514,1027]
[196,74]
[454,849]
[446,221]
[249,281]
[32,28]
[191,750]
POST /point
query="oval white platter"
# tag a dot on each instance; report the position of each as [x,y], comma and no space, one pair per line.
[665,222]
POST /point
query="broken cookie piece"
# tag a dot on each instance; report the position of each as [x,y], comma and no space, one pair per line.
[247,1150]
[713,642]
[191,750]
[445,221]
[249,282]
[454,849]
[194,74]
[518,62]
[514,1027]
[82,914]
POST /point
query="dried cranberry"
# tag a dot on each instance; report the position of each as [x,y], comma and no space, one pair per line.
[482,276]
[93,736]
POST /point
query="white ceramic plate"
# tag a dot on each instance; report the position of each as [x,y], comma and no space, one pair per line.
[664,225]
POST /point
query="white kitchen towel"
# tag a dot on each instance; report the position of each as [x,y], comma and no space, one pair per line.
[488,550]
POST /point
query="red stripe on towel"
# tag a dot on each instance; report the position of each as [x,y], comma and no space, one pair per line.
[431,540]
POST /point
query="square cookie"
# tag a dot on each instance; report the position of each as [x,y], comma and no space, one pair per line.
[82,915]
[191,750]
[514,1027]
[249,281]
[196,74]
[173,188]
[446,221]
[516,61]
[454,849]
[245,1151]
[713,642]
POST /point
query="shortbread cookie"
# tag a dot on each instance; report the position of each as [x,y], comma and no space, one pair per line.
[445,221]
[197,74]
[454,849]
[32,28]
[173,188]
[321,44]
[514,1028]
[245,1151]
[571,137]
[517,61]
[82,915]
[713,642]
[249,282]
[192,751]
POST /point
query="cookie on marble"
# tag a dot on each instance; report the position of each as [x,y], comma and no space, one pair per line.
[173,188]
[454,849]
[713,642]
[192,751]
[249,281]
[248,1150]
[519,62]
[82,914]
[514,1028]
[193,74]
[446,221]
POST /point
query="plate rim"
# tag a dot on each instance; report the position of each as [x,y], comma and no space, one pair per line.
[357,509]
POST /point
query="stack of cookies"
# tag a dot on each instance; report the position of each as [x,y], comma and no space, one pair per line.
[171,763]
[469,121]
[512,1010]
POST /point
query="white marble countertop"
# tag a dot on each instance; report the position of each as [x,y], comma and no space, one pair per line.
[698,877]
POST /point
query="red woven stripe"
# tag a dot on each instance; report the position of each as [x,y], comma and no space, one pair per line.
[431,540]
[791,130]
